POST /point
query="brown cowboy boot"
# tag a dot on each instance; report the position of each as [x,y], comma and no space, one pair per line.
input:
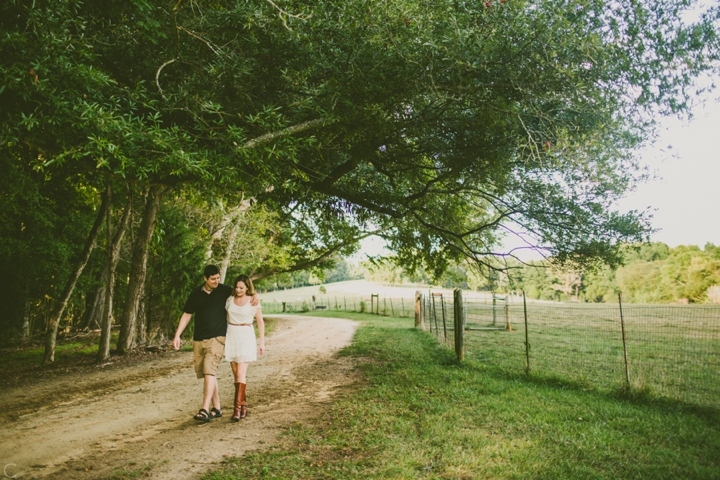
[241,401]
[236,412]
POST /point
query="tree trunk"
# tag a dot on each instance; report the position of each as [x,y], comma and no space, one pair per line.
[227,218]
[94,315]
[142,318]
[232,237]
[54,322]
[113,257]
[94,306]
[237,212]
[138,270]
[26,314]
[104,347]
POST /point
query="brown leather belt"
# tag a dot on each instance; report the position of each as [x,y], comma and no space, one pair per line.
[241,324]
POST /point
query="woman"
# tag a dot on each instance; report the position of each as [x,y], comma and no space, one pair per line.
[240,346]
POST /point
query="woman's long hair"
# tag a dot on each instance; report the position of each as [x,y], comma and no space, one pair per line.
[248,283]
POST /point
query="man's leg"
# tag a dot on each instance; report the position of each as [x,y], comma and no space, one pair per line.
[216,395]
[210,392]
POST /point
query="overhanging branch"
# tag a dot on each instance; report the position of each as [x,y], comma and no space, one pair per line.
[285,132]
[315,261]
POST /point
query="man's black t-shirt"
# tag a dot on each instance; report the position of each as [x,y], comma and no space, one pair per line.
[209,310]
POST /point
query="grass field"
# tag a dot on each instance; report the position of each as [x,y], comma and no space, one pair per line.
[417,413]
[673,351]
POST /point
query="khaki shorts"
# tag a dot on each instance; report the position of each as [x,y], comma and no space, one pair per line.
[208,354]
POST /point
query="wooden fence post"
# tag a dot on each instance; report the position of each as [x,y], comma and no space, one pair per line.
[459,317]
[624,340]
[375,305]
[442,305]
[418,310]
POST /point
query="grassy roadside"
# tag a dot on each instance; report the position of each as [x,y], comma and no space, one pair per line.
[80,349]
[418,414]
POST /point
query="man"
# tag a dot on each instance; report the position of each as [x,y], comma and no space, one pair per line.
[207,303]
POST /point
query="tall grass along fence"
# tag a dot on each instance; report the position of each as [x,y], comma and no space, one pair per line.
[668,351]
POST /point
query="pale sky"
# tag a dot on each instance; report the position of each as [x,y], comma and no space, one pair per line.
[684,198]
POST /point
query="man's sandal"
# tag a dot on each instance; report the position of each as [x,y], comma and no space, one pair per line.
[215,412]
[203,416]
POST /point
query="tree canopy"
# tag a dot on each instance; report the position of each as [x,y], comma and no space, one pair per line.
[437,125]
[438,120]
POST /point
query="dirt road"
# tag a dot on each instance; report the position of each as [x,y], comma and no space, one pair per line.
[140,417]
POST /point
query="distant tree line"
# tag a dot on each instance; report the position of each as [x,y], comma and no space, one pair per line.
[651,273]
[342,271]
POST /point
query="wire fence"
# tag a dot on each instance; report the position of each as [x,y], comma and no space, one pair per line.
[378,304]
[670,351]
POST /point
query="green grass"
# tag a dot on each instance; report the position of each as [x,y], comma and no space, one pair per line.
[77,350]
[417,413]
[673,351]
[70,351]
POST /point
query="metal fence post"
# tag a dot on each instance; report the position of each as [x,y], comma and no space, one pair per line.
[527,343]
[625,352]
[442,305]
[423,313]
[459,320]
[493,309]
[507,313]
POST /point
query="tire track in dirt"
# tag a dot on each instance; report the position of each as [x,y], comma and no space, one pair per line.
[139,417]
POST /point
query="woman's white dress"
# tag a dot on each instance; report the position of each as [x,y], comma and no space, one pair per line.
[240,344]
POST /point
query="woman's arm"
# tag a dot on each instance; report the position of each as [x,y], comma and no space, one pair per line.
[261,330]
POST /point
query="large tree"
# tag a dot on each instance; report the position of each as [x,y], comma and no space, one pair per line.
[441,124]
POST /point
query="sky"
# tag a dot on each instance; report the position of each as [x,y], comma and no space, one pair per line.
[684,195]
[685,199]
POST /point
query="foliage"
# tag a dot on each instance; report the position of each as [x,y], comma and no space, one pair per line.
[652,273]
[341,272]
[43,220]
[435,125]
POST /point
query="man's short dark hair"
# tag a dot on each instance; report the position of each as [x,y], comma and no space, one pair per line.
[210,270]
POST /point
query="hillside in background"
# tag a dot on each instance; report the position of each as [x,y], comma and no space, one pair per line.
[652,273]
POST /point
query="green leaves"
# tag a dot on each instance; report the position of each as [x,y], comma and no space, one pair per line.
[436,122]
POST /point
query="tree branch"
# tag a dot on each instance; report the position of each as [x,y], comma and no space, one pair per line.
[285,132]
[316,261]
[157,75]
